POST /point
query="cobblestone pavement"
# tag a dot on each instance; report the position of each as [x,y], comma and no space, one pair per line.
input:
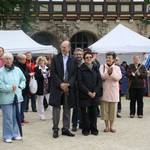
[132,134]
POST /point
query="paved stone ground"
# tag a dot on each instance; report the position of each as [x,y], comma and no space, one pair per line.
[132,134]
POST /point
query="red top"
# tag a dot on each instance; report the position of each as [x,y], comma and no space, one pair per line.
[30,65]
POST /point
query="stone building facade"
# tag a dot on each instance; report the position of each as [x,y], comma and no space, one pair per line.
[84,29]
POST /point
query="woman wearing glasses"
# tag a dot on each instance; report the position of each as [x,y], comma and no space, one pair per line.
[90,89]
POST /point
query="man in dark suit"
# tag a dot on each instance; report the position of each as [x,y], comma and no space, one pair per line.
[63,76]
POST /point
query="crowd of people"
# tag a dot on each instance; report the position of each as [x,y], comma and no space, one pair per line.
[72,81]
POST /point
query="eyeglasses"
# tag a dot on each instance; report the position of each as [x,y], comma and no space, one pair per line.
[88,57]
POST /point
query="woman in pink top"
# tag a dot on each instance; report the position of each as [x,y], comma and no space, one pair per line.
[111,74]
[1,59]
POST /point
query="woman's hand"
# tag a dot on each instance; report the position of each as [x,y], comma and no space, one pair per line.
[92,94]
[14,88]
[110,70]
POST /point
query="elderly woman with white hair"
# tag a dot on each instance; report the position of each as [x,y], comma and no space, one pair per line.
[12,81]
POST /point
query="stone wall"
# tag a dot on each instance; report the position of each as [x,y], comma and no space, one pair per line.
[66,29]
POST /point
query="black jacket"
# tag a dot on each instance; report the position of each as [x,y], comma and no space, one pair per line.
[40,81]
[89,80]
[57,75]
[137,81]
[25,71]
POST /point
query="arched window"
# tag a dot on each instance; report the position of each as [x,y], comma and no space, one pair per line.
[45,38]
[82,40]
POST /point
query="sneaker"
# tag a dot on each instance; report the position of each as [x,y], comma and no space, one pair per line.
[131,116]
[119,115]
[140,116]
[18,138]
[8,140]
[42,118]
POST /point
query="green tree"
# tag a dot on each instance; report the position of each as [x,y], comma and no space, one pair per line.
[7,8]
[145,20]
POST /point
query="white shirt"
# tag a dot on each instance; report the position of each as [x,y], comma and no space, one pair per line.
[44,71]
[65,59]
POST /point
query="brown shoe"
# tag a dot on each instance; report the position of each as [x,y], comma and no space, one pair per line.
[113,130]
[106,130]
[25,121]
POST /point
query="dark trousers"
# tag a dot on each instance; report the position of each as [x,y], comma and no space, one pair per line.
[119,105]
[22,112]
[33,102]
[136,95]
[66,117]
[23,107]
[45,103]
[89,118]
[66,114]
[75,117]
[98,111]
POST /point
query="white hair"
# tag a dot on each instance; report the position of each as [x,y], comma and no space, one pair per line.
[8,55]
[20,56]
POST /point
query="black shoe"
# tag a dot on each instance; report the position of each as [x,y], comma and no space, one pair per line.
[80,126]
[55,134]
[119,115]
[34,110]
[74,129]
[85,133]
[67,133]
[94,132]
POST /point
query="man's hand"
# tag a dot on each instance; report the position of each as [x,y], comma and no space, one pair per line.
[64,87]
[138,73]
[133,74]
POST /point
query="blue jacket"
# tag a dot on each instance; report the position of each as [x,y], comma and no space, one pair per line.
[8,78]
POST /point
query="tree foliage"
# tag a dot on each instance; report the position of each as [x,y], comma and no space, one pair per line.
[7,8]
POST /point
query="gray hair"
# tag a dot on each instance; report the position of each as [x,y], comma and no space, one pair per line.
[78,49]
[8,55]
[20,56]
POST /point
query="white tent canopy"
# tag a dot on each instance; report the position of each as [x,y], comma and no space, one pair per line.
[16,41]
[122,40]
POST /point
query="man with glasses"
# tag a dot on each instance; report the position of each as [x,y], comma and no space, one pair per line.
[76,117]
